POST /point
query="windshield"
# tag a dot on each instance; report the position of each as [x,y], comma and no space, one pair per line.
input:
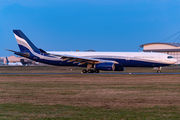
[170,57]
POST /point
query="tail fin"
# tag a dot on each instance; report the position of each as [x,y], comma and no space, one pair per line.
[7,61]
[25,45]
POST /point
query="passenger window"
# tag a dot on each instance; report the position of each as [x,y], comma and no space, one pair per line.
[170,57]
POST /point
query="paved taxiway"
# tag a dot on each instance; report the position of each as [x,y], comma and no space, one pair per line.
[84,73]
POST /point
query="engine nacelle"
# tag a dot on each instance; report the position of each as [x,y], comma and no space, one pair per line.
[105,66]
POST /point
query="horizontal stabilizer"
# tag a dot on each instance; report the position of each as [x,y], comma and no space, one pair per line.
[19,53]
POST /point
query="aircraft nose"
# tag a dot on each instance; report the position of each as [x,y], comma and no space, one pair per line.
[175,60]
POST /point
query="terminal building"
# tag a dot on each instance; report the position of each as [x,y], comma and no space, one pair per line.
[172,49]
[1,60]
[14,59]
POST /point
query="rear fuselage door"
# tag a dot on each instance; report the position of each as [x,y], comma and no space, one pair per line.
[42,55]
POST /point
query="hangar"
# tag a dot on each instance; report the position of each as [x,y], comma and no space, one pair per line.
[13,59]
[1,60]
[172,49]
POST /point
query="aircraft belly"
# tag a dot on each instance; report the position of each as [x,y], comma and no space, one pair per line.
[135,63]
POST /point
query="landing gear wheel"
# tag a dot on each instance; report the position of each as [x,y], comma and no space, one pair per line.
[96,71]
[90,71]
[84,71]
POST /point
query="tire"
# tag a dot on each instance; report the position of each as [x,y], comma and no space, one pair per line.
[84,71]
[158,71]
[90,71]
[96,71]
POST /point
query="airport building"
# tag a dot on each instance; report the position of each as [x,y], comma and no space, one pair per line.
[12,59]
[1,60]
[23,60]
[172,49]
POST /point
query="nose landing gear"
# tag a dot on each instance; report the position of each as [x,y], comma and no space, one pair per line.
[159,70]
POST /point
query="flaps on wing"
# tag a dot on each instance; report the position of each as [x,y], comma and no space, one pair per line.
[82,60]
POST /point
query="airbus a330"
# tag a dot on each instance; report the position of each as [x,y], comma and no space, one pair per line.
[91,61]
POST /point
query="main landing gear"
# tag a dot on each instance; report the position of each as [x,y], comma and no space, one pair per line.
[90,71]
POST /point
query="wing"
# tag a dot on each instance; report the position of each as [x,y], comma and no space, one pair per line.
[82,60]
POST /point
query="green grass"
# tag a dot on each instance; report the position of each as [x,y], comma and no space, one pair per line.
[85,96]
[30,111]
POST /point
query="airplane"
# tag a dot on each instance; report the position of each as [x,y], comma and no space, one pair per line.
[13,63]
[92,61]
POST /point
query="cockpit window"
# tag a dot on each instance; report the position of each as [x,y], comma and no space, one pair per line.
[170,57]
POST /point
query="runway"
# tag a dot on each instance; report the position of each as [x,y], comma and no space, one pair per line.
[88,73]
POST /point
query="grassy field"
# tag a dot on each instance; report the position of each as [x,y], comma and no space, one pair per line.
[57,69]
[86,96]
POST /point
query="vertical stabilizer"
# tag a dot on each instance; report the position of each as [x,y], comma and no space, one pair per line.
[25,45]
[7,61]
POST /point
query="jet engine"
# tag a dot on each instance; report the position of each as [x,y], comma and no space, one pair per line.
[108,67]
[105,66]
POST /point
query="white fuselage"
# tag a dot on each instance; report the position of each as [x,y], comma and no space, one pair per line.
[118,56]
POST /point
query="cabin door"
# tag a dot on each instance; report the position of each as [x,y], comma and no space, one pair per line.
[160,58]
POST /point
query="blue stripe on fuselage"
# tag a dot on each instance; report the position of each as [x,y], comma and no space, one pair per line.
[134,63]
[122,62]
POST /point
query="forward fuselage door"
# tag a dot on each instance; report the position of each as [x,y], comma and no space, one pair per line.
[160,58]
